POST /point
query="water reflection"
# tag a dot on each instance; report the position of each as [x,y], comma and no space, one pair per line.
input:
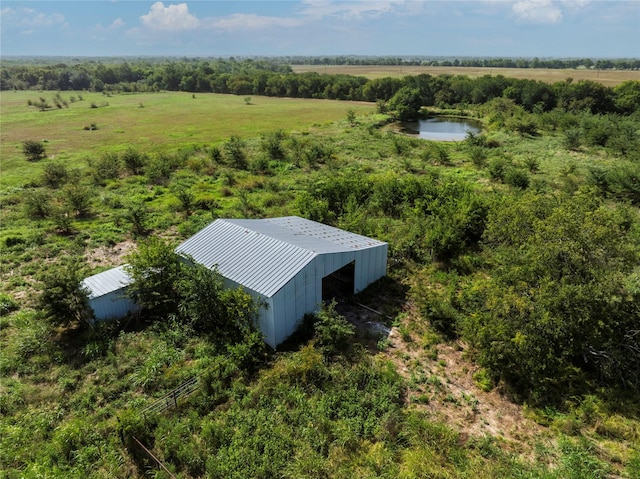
[441,128]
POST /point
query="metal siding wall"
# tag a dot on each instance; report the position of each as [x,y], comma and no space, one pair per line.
[113,305]
[266,322]
[279,312]
[265,311]
[332,262]
[301,291]
[371,265]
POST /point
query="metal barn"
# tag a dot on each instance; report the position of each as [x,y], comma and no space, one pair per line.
[284,262]
[107,294]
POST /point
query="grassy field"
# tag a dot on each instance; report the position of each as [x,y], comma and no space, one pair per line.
[606,77]
[151,122]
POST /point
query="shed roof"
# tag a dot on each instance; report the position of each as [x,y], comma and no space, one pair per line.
[263,255]
[107,282]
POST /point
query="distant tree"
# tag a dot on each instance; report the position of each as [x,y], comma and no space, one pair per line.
[627,96]
[33,150]
[406,103]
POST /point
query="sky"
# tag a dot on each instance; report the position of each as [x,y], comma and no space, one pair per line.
[214,28]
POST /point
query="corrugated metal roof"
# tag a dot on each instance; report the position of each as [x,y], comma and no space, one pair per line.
[264,255]
[106,282]
[308,234]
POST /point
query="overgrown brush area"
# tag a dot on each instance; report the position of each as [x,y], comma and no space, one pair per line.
[513,254]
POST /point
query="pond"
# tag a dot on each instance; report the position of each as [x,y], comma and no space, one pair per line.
[441,128]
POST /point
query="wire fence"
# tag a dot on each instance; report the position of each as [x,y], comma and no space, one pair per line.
[171,399]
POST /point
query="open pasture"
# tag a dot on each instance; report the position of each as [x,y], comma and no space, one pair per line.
[149,121]
[606,77]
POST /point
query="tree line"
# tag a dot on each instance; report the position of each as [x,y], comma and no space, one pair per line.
[272,78]
[492,62]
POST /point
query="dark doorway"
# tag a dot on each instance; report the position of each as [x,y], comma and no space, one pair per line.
[339,284]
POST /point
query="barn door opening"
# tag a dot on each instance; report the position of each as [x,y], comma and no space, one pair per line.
[339,284]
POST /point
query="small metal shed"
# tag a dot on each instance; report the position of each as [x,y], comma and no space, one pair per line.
[107,294]
[281,262]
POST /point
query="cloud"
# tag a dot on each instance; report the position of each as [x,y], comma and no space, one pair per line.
[28,19]
[176,18]
[537,11]
[173,18]
[115,25]
[353,9]
[241,21]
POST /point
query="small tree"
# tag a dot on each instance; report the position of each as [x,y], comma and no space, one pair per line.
[156,272]
[137,214]
[106,168]
[186,198]
[78,199]
[333,332]
[235,154]
[351,117]
[33,150]
[272,145]
[55,174]
[62,298]
[206,305]
[133,161]
[406,103]
[37,203]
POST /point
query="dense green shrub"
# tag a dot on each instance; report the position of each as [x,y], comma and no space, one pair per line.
[235,154]
[33,150]
[332,332]
[517,178]
[107,167]
[62,298]
[37,203]
[558,308]
[133,161]
[54,174]
[498,168]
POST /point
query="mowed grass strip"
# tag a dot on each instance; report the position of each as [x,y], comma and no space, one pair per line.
[548,75]
[151,122]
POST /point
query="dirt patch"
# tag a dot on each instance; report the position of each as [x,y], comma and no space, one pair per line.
[440,380]
[110,255]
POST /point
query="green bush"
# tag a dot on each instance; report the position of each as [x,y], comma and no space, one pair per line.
[332,332]
[498,168]
[517,178]
[33,150]
[54,174]
[107,167]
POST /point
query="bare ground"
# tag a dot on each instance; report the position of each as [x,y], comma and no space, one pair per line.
[110,255]
[439,378]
